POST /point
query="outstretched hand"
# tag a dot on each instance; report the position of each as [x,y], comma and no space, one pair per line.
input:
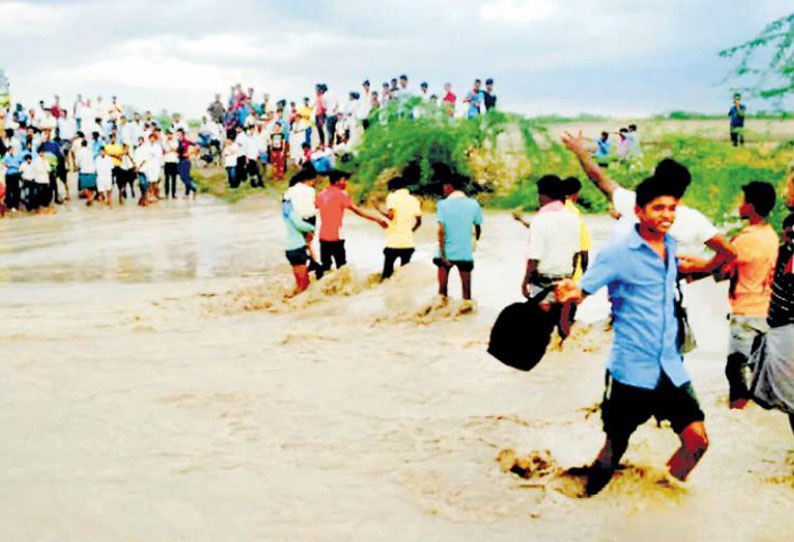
[573,143]
[567,290]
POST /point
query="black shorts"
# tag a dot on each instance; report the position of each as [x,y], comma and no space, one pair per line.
[627,407]
[464,266]
[298,256]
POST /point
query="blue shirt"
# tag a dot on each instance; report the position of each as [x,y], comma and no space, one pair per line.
[602,148]
[737,121]
[12,162]
[475,100]
[642,292]
[296,227]
[459,215]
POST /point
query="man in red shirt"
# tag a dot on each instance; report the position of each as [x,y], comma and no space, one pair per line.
[332,203]
[448,102]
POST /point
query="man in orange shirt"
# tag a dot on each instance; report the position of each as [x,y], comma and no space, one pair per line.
[750,291]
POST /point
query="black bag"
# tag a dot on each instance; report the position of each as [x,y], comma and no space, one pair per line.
[522,332]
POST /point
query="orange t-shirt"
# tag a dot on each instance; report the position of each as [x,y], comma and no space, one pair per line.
[756,254]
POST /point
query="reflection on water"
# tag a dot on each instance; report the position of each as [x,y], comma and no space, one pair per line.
[168,241]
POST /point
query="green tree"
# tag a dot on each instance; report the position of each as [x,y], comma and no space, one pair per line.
[768,59]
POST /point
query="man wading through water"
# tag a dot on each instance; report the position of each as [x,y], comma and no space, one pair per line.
[645,373]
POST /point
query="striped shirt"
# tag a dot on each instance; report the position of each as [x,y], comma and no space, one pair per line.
[781,309]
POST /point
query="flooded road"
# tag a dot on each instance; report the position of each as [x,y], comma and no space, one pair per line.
[155,385]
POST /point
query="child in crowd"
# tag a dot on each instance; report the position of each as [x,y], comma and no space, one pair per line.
[276,150]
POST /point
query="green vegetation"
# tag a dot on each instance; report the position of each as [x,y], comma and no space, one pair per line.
[774,48]
[505,154]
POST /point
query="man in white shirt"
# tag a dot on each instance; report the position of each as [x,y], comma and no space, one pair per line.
[330,104]
[251,150]
[691,229]
[155,164]
[78,111]
[115,111]
[553,240]
[365,105]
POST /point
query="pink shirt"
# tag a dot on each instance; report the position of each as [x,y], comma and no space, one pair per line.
[332,203]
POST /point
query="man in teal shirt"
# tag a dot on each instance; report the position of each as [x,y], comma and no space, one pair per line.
[459,217]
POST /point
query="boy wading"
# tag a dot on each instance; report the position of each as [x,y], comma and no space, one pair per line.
[645,372]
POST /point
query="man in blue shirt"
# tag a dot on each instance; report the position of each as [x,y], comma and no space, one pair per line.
[645,372]
[737,113]
[458,217]
[11,163]
[475,99]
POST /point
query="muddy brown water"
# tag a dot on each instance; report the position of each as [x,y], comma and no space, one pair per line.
[155,385]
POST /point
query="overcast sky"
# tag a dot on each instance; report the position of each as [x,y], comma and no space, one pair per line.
[619,57]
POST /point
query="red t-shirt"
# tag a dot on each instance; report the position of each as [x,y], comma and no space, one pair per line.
[332,203]
[450,97]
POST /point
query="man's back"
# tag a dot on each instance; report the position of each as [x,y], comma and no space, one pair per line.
[554,240]
[756,253]
[459,215]
[331,203]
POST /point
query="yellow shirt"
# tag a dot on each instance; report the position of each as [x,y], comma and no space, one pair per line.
[585,239]
[115,150]
[405,209]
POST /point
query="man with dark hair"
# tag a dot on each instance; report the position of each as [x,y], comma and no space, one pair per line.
[457,216]
[691,228]
[489,98]
[331,204]
[645,372]
[474,98]
[553,247]
[750,291]
[405,217]
[737,113]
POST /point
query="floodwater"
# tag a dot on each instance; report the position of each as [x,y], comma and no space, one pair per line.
[156,385]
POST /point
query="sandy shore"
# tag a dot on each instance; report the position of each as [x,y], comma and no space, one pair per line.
[156,386]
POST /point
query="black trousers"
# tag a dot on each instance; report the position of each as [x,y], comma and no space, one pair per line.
[253,171]
[332,250]
[737,138]
[170,173]
[390,256]
[13,190]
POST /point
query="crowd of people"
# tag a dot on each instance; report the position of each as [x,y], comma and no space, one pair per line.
[649,254]
[107,148]
[114,149]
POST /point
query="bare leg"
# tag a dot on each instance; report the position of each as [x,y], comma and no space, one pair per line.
[694,443]
[465,283]
[301,278]
[443,279]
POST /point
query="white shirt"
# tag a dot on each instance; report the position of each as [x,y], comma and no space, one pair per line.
[41,171]
[169,151]
[330,102]
[691,228]
[302,197]
[67,128]
[104,166]
[251,147]
[27,171]
[230,153]
[85,160]
[554,240]
[364,106]
[141,157]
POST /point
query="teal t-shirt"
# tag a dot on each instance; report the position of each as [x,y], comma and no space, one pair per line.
[459,215]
